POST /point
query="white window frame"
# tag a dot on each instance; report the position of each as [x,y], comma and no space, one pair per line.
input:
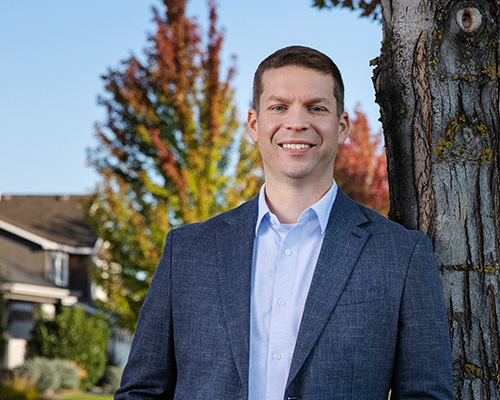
[59,268]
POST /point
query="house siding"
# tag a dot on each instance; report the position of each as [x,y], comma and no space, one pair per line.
[31,272]
[23,252]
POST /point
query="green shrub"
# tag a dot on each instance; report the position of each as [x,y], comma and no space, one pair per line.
[74,335]
[110,381]
[41,372]
[50,374]
[68,373]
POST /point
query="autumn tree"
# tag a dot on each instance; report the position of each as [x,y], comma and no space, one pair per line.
[170,152]
[361,166]
[437,83]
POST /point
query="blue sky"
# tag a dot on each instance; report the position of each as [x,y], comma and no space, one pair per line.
[53,53]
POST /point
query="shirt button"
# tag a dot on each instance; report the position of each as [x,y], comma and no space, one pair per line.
[281,302]
[277,356]
[288,252]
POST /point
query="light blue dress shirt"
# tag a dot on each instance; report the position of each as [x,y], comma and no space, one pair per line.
[284,259]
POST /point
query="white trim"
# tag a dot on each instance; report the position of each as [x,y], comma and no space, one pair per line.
[35,290]
[15,352]
[46,243]
[69,301]
[59,268]
[97,245]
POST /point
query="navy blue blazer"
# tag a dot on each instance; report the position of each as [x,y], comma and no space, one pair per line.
[374,317]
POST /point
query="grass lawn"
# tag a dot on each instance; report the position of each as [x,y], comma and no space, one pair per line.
[88,397]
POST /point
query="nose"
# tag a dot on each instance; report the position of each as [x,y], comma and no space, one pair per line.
[297,119]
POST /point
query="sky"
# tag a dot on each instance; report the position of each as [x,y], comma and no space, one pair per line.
[54,52]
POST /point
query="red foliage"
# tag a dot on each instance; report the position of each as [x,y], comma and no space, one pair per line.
[361,166]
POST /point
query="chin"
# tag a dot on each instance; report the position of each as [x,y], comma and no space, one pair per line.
[298,175]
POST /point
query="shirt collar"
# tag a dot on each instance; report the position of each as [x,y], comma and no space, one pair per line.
[322,207]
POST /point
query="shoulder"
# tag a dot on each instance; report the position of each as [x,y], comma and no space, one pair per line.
[376,224]
[387,244]
[381,223]
[242,214]
[203,240]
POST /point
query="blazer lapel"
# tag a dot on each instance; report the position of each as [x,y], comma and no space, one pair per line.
[343,242]
[235,240]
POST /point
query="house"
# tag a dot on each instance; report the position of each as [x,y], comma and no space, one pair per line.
[45,250]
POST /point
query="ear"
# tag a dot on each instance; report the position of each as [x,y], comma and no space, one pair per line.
[253,124]
[344,126]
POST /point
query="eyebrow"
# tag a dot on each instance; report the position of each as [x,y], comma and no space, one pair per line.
[314,100]
[276,98]
[319,99]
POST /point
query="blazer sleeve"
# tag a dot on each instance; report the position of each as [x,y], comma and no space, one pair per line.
[422,367]
[151,370]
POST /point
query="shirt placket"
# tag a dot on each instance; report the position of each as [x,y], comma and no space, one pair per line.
[280,351]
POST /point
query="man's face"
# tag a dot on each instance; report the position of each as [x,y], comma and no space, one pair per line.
[297,127]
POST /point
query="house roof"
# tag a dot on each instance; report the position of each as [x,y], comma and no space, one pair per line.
[58,219]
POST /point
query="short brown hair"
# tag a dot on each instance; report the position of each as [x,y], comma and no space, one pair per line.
[303,57]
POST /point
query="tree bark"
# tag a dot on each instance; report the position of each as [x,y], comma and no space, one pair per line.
[437,83]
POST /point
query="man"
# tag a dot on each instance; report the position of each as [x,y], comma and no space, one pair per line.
[300,293]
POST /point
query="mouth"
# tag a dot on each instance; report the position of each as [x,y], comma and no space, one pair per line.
[296,146]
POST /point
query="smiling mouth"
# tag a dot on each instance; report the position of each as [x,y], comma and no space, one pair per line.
[295,146]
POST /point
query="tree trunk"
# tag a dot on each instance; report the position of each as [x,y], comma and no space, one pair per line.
[437,83]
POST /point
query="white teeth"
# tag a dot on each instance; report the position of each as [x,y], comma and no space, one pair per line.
[296,146]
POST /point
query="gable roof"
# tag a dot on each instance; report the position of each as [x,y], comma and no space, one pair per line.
[49,220]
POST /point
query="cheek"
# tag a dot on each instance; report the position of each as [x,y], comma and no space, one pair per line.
[270,134]
[332,135]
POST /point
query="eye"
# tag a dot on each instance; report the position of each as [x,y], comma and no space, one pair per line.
[316,109]
[278,108]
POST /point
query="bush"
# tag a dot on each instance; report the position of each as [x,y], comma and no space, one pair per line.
[110,381]
[47,374]
[74,335]
[68,372]
[41,373]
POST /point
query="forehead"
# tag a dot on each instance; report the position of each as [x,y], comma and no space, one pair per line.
[296,79]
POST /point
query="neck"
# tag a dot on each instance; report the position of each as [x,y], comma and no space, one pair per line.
[287,202]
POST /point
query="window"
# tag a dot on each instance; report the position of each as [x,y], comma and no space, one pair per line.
[59,269]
